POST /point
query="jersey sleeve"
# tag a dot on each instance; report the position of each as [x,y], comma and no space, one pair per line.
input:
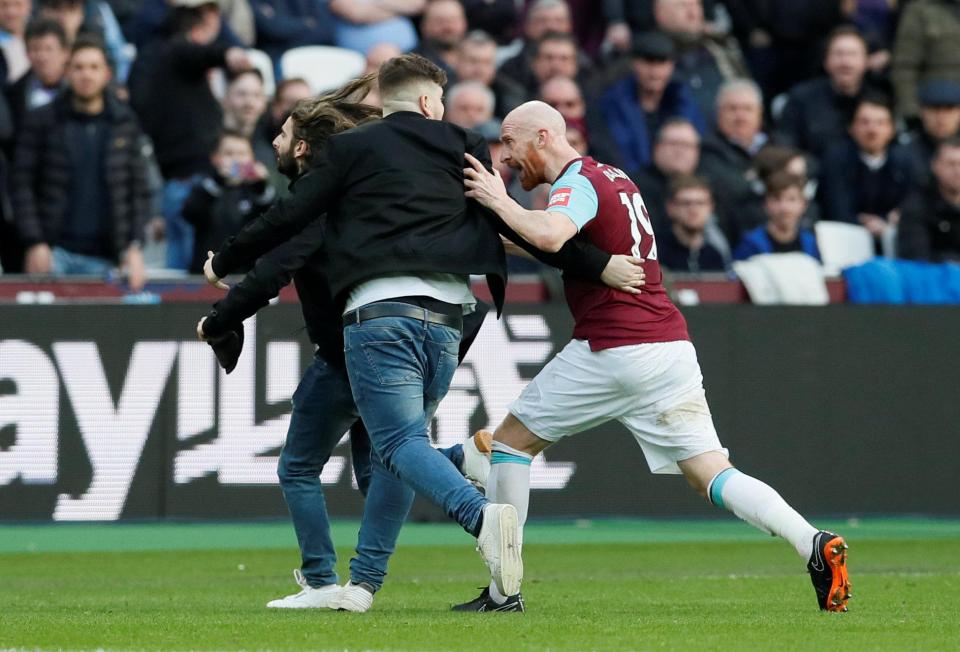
[574,196]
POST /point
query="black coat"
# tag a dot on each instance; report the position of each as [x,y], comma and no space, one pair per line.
[171,94]
[848,187]
[393,190]
[929,227]
[41,175]
[815,116]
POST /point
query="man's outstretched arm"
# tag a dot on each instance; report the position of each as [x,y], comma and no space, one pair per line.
[311,195]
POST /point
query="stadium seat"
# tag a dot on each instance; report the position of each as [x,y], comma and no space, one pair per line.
[323,67]
[261,61]
[843,245]
[783,279]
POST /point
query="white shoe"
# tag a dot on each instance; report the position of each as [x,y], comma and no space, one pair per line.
[323,597]
[354,597]
[499,545]
[476,458]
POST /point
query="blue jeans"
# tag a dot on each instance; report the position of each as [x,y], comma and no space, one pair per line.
[66,263]
[323,409]
[179,232]
[400,368]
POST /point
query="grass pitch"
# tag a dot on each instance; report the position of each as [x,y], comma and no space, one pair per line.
[621,585]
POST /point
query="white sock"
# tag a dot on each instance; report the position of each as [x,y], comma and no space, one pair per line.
[509,482]
[762,507]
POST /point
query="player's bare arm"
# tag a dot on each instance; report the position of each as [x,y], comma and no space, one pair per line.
[543,229]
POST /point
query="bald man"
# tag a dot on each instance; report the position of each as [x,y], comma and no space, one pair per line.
[630,358]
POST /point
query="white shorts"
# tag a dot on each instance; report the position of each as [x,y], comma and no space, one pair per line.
[655,390]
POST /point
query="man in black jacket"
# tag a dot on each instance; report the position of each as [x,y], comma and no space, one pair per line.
[402,241]
[81,195]
[930,226]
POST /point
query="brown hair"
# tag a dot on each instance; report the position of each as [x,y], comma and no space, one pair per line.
[781,181]
[315,119]
[407,68]
[680,182]
[772,159]
[841,32]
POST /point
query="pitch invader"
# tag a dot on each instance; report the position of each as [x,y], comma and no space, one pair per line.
[630,358]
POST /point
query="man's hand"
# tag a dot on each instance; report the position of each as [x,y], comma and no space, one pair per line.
[212,278]
[486,187]
[875,224]
[237,60]
[200,334]
[618,35]
[624,273]
[135,269]
[38,259]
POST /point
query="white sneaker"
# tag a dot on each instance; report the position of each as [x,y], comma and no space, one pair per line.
[323,597]
[499,545]
[476,458]
[354,597]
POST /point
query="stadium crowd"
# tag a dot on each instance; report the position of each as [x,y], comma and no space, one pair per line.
[743,122]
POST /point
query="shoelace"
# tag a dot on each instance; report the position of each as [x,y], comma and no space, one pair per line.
[302,581]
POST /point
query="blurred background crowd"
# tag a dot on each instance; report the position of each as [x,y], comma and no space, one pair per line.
[137,133]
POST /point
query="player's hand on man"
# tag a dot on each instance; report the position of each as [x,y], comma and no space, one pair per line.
[200,334]
[212,278]
[624,273]
[484,186]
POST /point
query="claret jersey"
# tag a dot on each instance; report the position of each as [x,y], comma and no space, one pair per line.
[607,208]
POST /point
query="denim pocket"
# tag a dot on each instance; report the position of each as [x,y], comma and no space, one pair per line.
[394,362]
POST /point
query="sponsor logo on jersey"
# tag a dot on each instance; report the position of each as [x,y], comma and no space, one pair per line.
[560,197]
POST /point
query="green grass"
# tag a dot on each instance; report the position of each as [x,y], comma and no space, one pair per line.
[614,586]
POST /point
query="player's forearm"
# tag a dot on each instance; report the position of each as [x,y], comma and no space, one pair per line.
[536,227]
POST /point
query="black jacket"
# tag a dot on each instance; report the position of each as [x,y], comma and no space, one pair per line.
[394,193]
[41,174]
[848,187]
[171,94]
[218,210]
[929,227]
[815,116]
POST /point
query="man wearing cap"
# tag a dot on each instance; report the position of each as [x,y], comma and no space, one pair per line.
[633,109]
[939,121]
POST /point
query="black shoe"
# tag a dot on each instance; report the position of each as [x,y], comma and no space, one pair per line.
[828,571]
[485,603]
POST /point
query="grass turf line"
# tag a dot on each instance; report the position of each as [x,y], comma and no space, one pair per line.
[749,594]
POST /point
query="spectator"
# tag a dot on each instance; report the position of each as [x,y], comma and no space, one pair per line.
[543,17]
[48,52]
[633,109]
[877,21]
[676,152]
[152,19]
[14,16]
[378,55]
[577,138]
[469,103]
[930,227]
[282,25]
[361,25]
[818,111]
[563,94]
[244,102]
[233,194]
[704,62]
[685,246]
[81,196]
[556,55]
[925,49]
[865,180]
[728,154]
[94,18]
[780,37]
[238,19]
[477,61]
[939,121]
[784,206]
[176,85]
[443,26]
[498,18]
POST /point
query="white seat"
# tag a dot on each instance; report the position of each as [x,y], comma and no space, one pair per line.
[262,62]
[324,68]
[843,245]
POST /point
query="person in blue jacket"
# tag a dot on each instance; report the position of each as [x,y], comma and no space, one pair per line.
[784,205]
[632,110]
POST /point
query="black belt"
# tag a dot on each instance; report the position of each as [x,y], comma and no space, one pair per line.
[387,309]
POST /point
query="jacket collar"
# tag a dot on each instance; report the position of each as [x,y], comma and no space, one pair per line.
[405,115]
